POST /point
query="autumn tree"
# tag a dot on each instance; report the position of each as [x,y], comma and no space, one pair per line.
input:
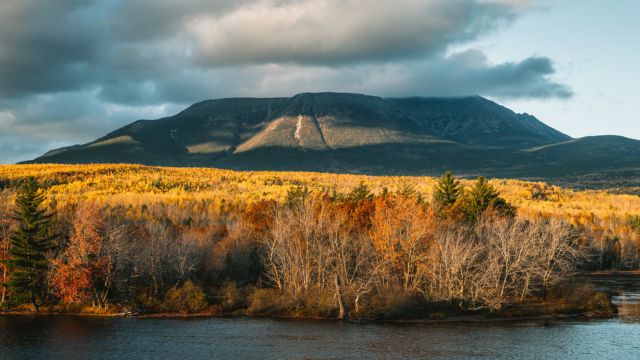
[5,231]
[84,270]
[29,243]
[317,246]
[558,255]
[455,269]
[402,231]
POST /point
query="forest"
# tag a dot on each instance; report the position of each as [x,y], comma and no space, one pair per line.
[105,239]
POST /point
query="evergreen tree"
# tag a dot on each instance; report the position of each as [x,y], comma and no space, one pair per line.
[297,195]
[360,193]
[406,190]
[29,243]
[483,196]
[336,196]
[447,191]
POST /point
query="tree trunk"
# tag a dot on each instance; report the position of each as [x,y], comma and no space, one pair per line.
[96,298]
[3,296]
[341,310]
[34,301]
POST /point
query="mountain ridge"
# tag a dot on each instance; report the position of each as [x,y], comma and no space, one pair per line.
[345,132]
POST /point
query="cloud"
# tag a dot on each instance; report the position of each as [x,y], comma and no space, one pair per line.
[18,148]
[470,73]
[132,50]
[46,46]
[338,31]
[34,125]
[74,69]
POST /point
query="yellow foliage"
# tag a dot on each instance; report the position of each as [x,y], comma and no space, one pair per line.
[208,192]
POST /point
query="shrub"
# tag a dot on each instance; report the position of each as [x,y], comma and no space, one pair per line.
[232,297]
[268,302]
[317,303]
[599,305]
[633,221]
[189,298]
[400,304]
[146,303]
[588,300]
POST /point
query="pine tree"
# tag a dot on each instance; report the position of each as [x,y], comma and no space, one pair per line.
[406,190]
[29,243]
[447,191]
[360,193]
[297,195]
[483,196]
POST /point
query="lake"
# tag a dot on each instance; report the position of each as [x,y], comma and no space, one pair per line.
[69,337]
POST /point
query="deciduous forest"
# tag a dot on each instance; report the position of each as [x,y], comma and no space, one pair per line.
[104,239]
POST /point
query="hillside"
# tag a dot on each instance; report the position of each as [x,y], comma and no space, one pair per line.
[478,121]
[355,133]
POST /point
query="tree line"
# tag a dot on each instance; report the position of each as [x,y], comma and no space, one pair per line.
[317,253]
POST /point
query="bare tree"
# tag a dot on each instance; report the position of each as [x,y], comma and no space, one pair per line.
[454,267]
[557,254]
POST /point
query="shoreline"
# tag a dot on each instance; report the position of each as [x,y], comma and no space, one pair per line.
[554,313]
[211,315]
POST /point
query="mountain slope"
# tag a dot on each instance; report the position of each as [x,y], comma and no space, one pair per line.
[352,133]
[589,153]
[478,121]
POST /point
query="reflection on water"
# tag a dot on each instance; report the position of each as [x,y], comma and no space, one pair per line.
[67,337]
[59,337]
[628,306]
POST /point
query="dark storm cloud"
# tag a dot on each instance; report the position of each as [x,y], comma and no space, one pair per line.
[74,69]
[134,50]
[44,46]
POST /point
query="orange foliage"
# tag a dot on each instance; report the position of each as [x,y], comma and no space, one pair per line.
[402,232]
[83,264]
[5,228]
[199,196]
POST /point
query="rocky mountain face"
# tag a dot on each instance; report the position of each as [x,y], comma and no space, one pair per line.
[356,133]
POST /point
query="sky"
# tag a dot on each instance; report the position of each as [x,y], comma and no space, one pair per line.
[74,70]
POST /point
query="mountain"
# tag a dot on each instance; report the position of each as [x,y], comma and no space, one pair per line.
[356,133]
[478,121]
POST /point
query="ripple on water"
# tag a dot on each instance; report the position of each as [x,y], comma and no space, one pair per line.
[84,338]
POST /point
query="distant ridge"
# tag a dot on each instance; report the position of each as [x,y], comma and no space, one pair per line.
[341,132]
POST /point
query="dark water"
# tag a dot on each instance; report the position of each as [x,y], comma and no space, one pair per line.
[68,337]
[60,337]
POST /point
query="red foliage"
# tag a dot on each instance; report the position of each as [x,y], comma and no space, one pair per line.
[83,264]
[258,217]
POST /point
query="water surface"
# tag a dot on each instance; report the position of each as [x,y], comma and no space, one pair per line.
[63,337]
[69,337]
